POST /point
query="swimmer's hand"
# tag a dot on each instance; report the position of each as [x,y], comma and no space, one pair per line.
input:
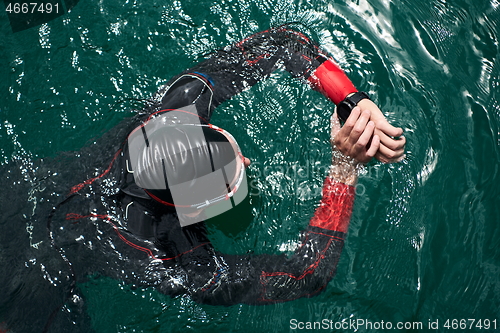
[357,138]
[353,144]
[392,143]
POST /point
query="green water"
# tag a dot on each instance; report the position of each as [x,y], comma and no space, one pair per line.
[423,245]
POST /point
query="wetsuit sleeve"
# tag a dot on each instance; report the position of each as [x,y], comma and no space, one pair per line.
[217,278]
[240,66]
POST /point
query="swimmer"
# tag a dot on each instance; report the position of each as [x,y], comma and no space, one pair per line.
[173,145]
[130,221]
[167,223]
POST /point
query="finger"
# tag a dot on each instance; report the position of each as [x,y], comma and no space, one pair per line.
[342,136]
[394,144]
[389,142]
[387,155]
[359,127]
[364,150]
[381,157]
[364,139]
[374,146]
[385,160]
[389,130]
[351,121]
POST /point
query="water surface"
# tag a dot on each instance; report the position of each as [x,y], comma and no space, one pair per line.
[423,243]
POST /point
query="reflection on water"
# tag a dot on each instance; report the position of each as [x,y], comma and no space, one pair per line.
[423,243]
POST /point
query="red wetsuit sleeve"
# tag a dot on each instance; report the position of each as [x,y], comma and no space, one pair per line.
[331,81]
[335,209]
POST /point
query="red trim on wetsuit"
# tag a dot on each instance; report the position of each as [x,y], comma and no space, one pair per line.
[335,208]
[308,271]
[89,181]
[331,81]
[108,219]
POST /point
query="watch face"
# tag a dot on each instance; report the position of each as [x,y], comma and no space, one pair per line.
[343,111]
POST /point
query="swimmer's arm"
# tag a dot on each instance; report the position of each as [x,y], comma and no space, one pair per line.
[352,145]
[333,83]
[264,279]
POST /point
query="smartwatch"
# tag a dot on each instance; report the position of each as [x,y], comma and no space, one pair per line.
[345,107]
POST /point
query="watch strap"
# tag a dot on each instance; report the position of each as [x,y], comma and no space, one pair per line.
[357,97]
[345,107]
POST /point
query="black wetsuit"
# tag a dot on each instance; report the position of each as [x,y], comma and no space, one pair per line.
[182,260]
